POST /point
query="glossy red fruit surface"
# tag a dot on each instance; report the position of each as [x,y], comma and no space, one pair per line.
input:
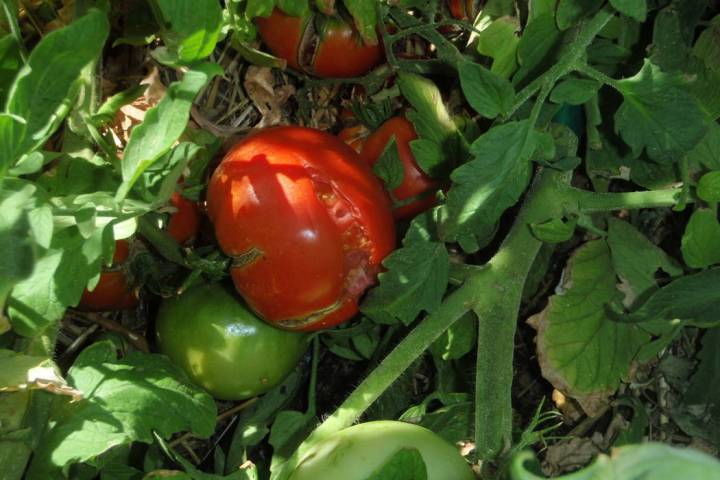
[306,221]
[112,291]
[336,51]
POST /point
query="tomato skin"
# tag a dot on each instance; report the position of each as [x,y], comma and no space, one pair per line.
[185,222]
[340,53]
[209,333]
[357,452]
[462,9]
[415,182]
[311,220]
[354,137]
[112,291]
[282,34]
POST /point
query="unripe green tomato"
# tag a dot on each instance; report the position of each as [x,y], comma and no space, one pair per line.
[222,346]
[359,451]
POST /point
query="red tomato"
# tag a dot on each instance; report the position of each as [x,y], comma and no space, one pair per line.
[306,221]
[185,222]
[415,182]
[112,291]
[462,9]
[338,52]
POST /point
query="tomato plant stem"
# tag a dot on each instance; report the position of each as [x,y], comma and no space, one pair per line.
[590,202]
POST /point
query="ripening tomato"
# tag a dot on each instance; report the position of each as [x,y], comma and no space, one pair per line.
[354,136]
[415,193]
[306,222]
[462,9]
[185,222]
[358,452]
[222,346]
[112,291]
[336,51]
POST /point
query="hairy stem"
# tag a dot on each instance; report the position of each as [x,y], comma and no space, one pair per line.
[590,202]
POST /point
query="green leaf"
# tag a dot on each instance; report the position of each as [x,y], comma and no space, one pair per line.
[112,105]
[635,9]
[581,351]
[429,157]
[637,260]
[388,166]
[124,401]
[555,230]
[570,11]
[493,181]
[163,125]
[58,280]
[687,298]
[44,88]
[709,187]
[574,91]
[17,247]
[707,152]
[259,8]
[295,8]
[287,427]
[656,461]
[429,116]
[415,280]
[701,240]
[10,63]
[500,42]
[707,46]
[669,49]
[364,14]
[458,340]
[539,42]
[406,464]
[487,93]
[658,114]
[191,28]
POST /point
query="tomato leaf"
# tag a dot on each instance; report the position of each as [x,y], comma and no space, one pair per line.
[538,44]
[124,401]
[635,9]
[364,14]
[17,244]
[10,63]
[191,30]
[415,280]
[659,114]
[701,240]
[570,11]
[295,8]
[707,152]
[493,181]
[689,297]
[555,230]
[489,94]
[500,42]
[574,91]
[112,105]
[649,460]
[637,260]
[37,105]
[163,125]
[581,350]
[388,166]
[407,464]
[709,187]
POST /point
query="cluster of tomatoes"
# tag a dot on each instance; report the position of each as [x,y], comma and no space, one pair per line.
[306,224]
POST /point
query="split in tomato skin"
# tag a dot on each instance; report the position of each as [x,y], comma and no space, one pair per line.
[184,224]
[337,52]
[354,136]
[222,346]
[416,183]
[358,452]
[306,221]
[112,291]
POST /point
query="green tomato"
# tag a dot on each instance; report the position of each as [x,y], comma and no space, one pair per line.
[357,452]
[224,347]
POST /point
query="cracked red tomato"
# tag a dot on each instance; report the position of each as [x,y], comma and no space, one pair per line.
[306,222]
[336,50]
[415,193]
[113,292]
